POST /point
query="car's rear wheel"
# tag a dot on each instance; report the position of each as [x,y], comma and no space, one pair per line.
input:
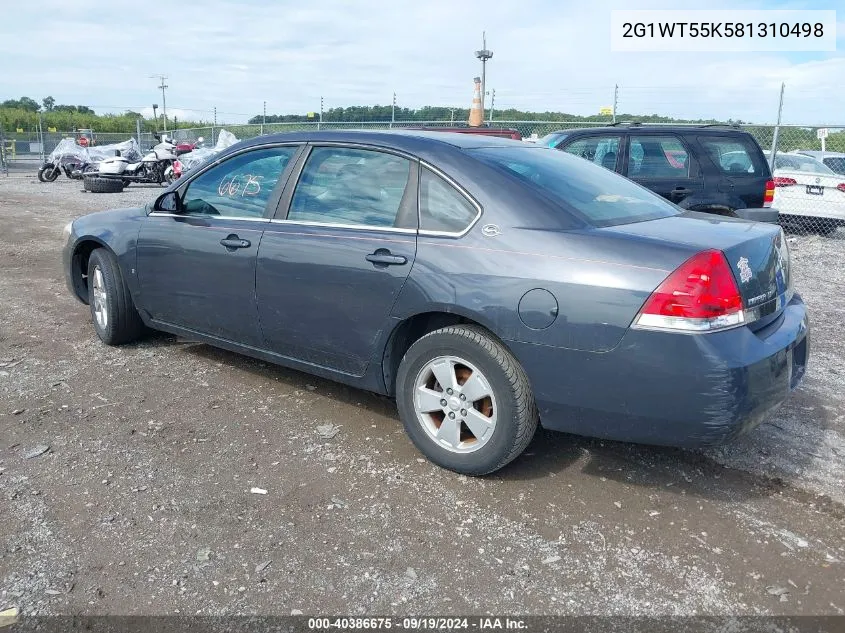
[116,320]
[465,401]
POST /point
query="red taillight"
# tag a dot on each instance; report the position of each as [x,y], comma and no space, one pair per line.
[769,195]
[699,296]
[780,181]
[841,187]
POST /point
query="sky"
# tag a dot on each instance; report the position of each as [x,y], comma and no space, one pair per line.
[549,55]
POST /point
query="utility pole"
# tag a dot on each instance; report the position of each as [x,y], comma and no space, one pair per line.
[492,103]
[452,111]
[215,115]
[483,55]
[615,100]
[264,119]
[163,87]
[320,122]
[393,111]
[777,129]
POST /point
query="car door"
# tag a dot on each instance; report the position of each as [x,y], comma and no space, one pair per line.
[601,149]
[196,265]
[333,261]
[664,164]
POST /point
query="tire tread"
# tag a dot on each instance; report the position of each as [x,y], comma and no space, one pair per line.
[526,413]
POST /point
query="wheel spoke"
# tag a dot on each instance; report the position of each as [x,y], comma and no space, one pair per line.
[444,371]
[450,432]
[428,400]
[475,388]
[478,423]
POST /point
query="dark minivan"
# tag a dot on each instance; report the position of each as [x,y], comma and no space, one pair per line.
[714,169]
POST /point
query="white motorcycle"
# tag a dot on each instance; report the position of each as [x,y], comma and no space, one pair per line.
[155,167]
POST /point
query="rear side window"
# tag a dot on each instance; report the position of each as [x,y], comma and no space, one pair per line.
[442,207]
[658,157]
[350,186]
[836,163]
[734,156]
[599,196]
[601,150]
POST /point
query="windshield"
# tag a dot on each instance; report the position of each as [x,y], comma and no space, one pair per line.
[593,193]
[797,162]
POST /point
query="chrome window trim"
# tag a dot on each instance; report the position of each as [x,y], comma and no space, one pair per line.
[337,225]
[451,181]
[161,214]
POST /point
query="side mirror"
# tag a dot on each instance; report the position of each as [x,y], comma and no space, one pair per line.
[168,202]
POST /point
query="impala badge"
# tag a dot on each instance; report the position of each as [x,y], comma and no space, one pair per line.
[491,230]
[745,273]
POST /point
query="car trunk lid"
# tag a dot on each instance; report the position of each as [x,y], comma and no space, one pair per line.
[757,254]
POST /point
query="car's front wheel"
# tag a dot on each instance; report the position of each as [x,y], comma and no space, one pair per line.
[116,320]
[465,401]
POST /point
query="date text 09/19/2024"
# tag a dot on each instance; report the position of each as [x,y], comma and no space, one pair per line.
[416,623]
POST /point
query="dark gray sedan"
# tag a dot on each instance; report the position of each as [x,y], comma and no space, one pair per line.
[488,285]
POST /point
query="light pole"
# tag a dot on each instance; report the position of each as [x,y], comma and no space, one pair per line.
[163,86]
[483,55]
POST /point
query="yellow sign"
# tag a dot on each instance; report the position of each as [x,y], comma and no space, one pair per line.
[20,130]
[310,115]
[606,110]
[51,129]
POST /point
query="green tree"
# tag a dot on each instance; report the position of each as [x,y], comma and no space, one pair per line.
[48,103]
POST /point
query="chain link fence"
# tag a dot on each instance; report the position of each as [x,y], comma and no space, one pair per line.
[808,165]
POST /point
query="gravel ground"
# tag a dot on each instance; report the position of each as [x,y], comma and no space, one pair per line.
[126,478]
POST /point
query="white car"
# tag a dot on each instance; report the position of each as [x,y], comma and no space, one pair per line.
[834,160]
[808,191]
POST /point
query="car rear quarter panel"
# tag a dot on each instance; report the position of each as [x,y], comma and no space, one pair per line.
[599,281]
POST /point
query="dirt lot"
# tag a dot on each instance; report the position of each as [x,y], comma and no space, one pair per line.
[142,503]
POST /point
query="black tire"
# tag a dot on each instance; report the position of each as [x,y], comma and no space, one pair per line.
[126,182]
[97,184]
[48,174]
[123,324]
[516,410]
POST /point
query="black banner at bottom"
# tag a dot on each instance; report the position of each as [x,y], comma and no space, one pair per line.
[524,624]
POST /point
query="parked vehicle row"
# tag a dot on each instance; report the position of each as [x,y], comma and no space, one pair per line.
[487,284]
[691,166]
[808,193]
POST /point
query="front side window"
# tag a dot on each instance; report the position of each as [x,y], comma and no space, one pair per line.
[341,185]
[599,196]
[239,187]
[657,157]
[442,207]
[601,150]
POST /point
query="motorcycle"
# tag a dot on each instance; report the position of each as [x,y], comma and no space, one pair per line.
[68,157]
[155,167]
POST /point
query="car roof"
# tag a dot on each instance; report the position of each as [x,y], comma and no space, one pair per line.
[818,154]
[698,129]
[412,141]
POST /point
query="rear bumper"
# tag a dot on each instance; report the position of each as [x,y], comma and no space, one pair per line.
[758,215]
[671,389]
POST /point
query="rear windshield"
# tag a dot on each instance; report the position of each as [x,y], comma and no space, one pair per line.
[799,162]
[734,155]
[597,195]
